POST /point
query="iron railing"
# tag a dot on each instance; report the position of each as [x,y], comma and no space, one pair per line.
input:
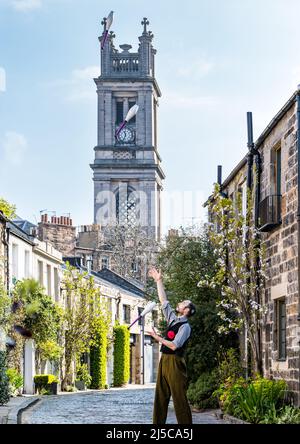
[269,212]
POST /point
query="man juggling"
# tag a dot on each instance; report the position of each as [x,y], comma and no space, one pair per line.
[172,372]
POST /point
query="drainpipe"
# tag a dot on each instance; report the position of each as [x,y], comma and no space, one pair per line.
[254,152]
[298,221]
[250,146]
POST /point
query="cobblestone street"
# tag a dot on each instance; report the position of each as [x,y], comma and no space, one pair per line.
[114,406]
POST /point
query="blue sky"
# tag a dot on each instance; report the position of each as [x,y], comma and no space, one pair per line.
[215,61]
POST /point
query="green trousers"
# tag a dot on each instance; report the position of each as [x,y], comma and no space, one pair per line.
[171,381]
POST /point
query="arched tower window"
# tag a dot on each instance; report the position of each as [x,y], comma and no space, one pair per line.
[126,206]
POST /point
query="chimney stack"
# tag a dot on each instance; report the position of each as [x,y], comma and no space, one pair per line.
[220,174]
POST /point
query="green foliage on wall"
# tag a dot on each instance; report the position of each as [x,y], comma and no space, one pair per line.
[4,381]
[121,355]
[100,328]
[98,360]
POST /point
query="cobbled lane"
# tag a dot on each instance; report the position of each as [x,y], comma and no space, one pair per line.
[114,406]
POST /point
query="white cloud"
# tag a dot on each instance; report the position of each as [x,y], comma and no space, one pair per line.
[80,85]
[14,147]
[26,5]
[2,80]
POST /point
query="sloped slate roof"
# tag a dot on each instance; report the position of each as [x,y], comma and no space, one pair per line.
[122,282]
[24,225]
[109,276]
[20,233]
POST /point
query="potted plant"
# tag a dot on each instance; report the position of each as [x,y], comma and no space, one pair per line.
[46,383]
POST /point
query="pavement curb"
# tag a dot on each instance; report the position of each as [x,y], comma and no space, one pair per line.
[234,420]
[14,411]
[24,407]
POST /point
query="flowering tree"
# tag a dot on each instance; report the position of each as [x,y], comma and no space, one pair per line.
[80,293]
[87,324]
[239,269]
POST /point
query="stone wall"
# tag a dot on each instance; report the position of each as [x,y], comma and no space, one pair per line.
[282,253]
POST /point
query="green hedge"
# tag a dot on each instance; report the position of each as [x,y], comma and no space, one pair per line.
[121,355]
[44,380]
[98,361]
[4,381]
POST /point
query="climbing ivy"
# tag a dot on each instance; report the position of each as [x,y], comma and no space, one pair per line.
[121,355]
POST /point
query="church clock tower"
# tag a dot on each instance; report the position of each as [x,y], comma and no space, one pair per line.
[127,172]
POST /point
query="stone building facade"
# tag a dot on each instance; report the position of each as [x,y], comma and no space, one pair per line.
[277,221]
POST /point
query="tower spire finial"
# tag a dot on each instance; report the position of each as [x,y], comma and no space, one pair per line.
[145,23]
[104,21]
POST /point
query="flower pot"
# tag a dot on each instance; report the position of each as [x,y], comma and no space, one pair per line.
[80,385]
[53,388]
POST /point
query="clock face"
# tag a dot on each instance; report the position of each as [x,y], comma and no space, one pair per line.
[126,135]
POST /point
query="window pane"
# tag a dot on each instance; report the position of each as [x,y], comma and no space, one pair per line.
[26,265]
[40,272]
[282,329]
[119,112]
[56,285]
[49,289]
[15,261]
[278,171]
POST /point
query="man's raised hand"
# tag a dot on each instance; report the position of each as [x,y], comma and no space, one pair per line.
[155,274]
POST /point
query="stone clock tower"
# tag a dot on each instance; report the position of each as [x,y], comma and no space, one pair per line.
[127,172]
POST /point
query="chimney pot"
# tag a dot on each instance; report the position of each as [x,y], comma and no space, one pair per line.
[71,222]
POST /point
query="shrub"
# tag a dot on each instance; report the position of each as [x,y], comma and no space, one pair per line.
[43,382]
[201,393]
[15,381]
[98,356]
[4,381]
[121,355]
[82,374]
[259,398]
[227,395]
[288,415]
[229,365]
